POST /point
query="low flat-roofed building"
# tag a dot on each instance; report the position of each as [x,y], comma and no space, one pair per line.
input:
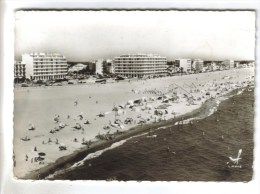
[140,65]
[78,67]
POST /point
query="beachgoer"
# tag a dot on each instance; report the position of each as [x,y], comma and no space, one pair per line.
[26,157]
[75,140]
[68,117]
[81,116]
[75,103]
[56,118]
[49,141]
[35,149]
[57,141]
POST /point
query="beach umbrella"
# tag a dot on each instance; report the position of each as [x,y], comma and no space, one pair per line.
[41,154]
[40,158]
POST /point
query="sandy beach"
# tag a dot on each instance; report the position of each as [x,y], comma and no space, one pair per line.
[55,111]
[186,154]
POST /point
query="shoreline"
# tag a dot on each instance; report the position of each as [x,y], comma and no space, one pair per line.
[196,157]
[67,161]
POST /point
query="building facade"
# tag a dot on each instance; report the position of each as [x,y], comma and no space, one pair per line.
[99,66]
[184,65]
[140,65]
[19,70]
[228,64]
[45,66]
[109,66]
[197,65]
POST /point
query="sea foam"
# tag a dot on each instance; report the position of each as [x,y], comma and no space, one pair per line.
[100,152]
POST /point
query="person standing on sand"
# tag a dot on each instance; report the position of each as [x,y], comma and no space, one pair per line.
[81,116]
[75,102]
[56,118]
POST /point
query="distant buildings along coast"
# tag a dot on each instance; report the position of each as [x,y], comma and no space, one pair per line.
[54,66]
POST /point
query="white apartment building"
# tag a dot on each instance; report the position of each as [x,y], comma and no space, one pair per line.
[99,66]
[140,65]
[45,66]
[197,65]
[184,64]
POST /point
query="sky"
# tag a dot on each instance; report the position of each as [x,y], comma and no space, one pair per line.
[89,35]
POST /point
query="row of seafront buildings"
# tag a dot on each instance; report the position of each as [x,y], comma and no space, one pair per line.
[52,66]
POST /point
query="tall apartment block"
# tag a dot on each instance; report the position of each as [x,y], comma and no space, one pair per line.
[45,66]
[140,65]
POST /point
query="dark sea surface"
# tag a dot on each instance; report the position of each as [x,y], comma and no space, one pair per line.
[183,153]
